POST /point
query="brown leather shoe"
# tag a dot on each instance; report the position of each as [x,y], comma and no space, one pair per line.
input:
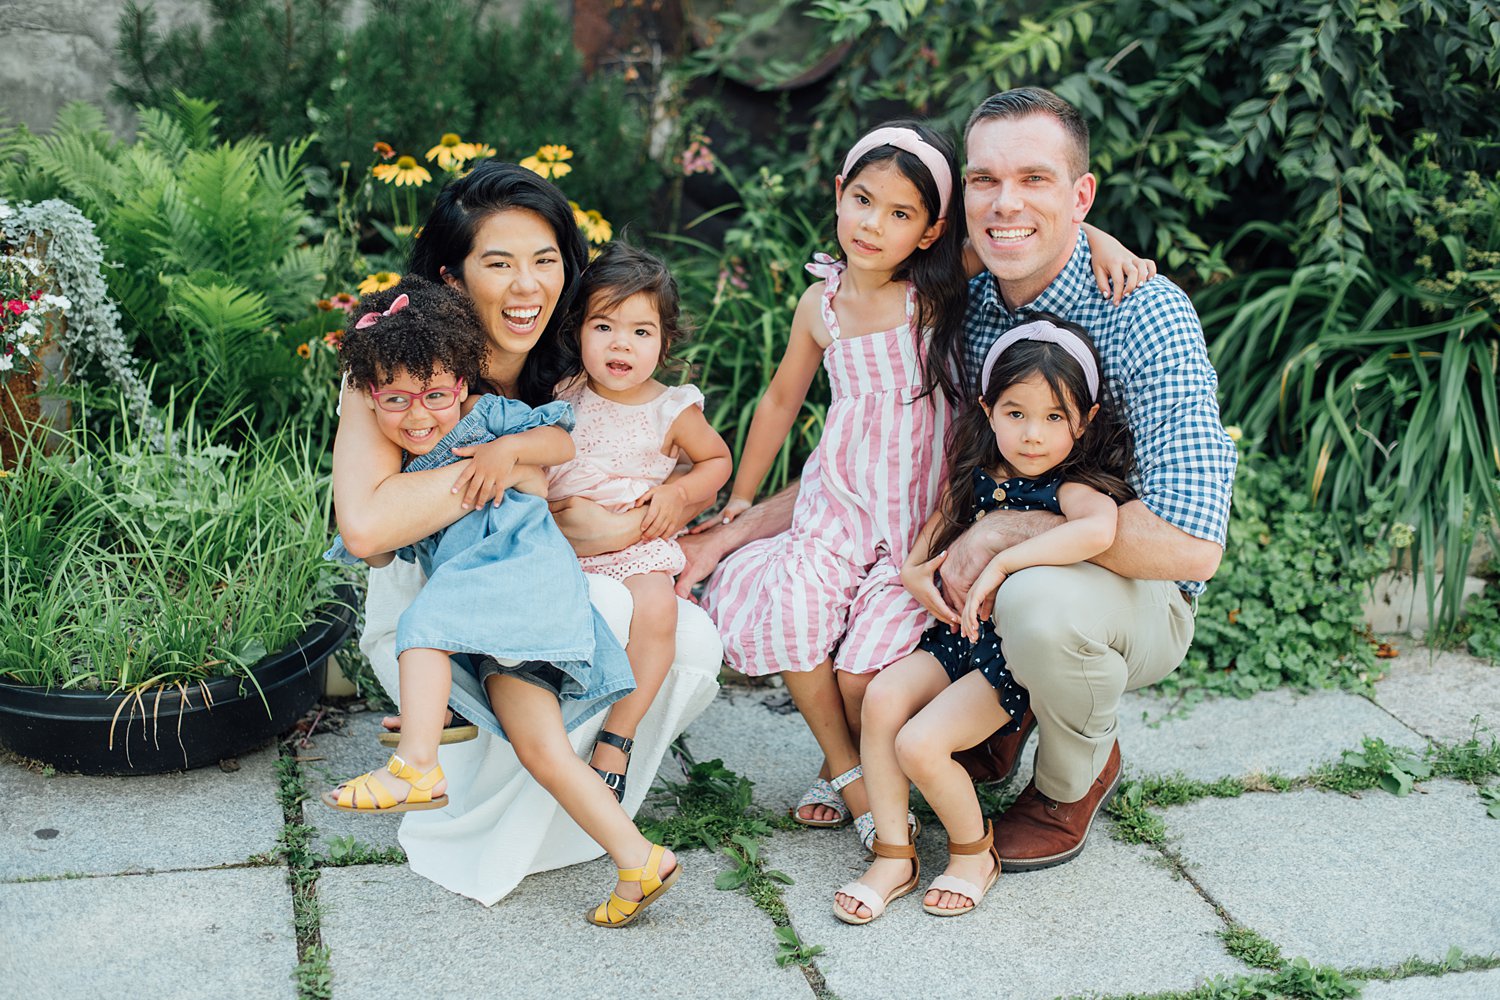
[1038,833]
[996,759]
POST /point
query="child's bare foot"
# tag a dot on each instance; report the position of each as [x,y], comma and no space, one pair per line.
[976,869]
[883,876]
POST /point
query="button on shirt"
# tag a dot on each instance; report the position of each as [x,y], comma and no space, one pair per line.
[1154,355]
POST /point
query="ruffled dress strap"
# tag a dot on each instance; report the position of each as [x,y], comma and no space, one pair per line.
[671,404]
[831,271]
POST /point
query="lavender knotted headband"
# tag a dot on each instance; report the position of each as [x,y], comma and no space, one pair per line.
[1042,330]
[908,140]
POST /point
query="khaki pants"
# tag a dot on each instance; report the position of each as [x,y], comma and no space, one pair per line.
[1077,637]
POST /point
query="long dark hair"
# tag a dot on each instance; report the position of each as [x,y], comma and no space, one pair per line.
[937,273]
[447,237]
[1103,456]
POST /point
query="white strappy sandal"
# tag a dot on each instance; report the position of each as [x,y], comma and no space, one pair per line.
[823,792]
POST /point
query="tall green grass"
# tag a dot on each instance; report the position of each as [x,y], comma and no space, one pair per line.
[125,567]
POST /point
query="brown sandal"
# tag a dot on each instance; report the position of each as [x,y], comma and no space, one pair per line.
[867,895]
[963,887]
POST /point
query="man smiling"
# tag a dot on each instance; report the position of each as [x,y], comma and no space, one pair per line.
[1078,636]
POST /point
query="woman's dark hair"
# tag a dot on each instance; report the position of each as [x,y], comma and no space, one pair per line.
[436,329]
[1103,456]
[447,237]
[937,273]
[620,271]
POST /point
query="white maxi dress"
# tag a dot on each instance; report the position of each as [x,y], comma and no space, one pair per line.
[500,825]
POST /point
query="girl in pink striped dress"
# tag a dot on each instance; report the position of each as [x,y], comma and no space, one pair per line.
[885,323]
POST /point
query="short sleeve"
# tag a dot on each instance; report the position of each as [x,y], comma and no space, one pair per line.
[673,402]
[511,416]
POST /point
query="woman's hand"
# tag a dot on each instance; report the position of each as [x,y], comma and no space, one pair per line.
[733,509]
[489,472]
[664,506]
[593,529]
[981,599]
[920,581]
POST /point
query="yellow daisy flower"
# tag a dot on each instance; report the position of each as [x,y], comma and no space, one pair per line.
[304,351]
[451,151]
[548,161]
[596,227]
[404,171]
[482,150]
[580,217]
[379,282]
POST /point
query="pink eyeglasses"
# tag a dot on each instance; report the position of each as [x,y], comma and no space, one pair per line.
[397,401]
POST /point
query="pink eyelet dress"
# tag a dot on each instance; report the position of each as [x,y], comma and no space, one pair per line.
[830,585]
[620,458]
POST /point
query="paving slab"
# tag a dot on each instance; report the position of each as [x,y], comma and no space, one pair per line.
[73,824]
[1440,694]
[1369,881]
[1278,731]
[773,749]
[344,754]
[1454,986]
[695,942]
[171,935]
[1036,934]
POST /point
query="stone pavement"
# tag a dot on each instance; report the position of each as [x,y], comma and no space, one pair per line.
[173,886]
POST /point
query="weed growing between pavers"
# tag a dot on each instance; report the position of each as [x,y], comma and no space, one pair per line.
[1375,764]
[1457,960]
[313,974]
[1251,948]
[714,809]
[346,851]
[1296,980]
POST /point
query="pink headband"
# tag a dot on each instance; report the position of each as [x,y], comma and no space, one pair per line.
[907,139]
[371,318]
[1042,330]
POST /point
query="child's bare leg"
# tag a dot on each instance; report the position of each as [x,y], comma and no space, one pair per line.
[652,647]
[852,689]
[816,694]
[426,681]
[895,695]
[964,713]
[532,719]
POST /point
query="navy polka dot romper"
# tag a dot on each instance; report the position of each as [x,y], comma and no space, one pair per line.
[958,655]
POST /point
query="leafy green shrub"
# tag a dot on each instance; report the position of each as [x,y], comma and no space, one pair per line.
[1285,607]
[126,566]
[742,298]
[215,282]
[412,70]
[1312,151]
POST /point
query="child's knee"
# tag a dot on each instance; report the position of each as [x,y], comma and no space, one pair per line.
[919,748]
[543,759]
[884,708]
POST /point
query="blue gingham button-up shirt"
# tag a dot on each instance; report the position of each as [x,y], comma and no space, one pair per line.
[1154,355]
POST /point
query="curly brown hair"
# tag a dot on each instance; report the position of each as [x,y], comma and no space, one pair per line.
[436,329]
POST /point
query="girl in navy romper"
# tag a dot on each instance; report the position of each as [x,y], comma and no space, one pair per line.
[1046,435]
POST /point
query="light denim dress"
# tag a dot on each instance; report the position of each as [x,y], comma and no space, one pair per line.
[504,582]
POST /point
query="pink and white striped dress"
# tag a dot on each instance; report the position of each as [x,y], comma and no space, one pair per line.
[830,585]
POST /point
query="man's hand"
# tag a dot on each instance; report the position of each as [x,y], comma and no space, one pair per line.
[972,551]
[705,548]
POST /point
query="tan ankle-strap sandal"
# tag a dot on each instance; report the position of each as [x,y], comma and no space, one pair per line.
[868,896]
[963,887]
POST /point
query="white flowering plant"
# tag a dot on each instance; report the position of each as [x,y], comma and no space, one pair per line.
[25,308]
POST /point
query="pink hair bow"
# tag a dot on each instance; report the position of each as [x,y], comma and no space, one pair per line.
[371,318]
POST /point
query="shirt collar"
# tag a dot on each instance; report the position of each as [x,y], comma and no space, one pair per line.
[1058,298]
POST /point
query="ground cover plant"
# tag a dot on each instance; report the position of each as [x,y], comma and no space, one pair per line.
[127,565]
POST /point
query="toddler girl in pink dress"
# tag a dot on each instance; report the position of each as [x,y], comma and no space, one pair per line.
[630,433]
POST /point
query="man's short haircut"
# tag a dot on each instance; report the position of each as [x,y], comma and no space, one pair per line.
[1023,102]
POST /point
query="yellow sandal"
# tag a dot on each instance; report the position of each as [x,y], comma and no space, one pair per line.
[616,911]
[366,794]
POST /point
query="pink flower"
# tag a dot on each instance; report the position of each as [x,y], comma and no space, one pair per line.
[17,306]
[697,158]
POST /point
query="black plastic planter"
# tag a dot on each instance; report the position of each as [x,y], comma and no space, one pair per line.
[171,729]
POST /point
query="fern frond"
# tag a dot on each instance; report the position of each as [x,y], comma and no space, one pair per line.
[197,119]
[88,177]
